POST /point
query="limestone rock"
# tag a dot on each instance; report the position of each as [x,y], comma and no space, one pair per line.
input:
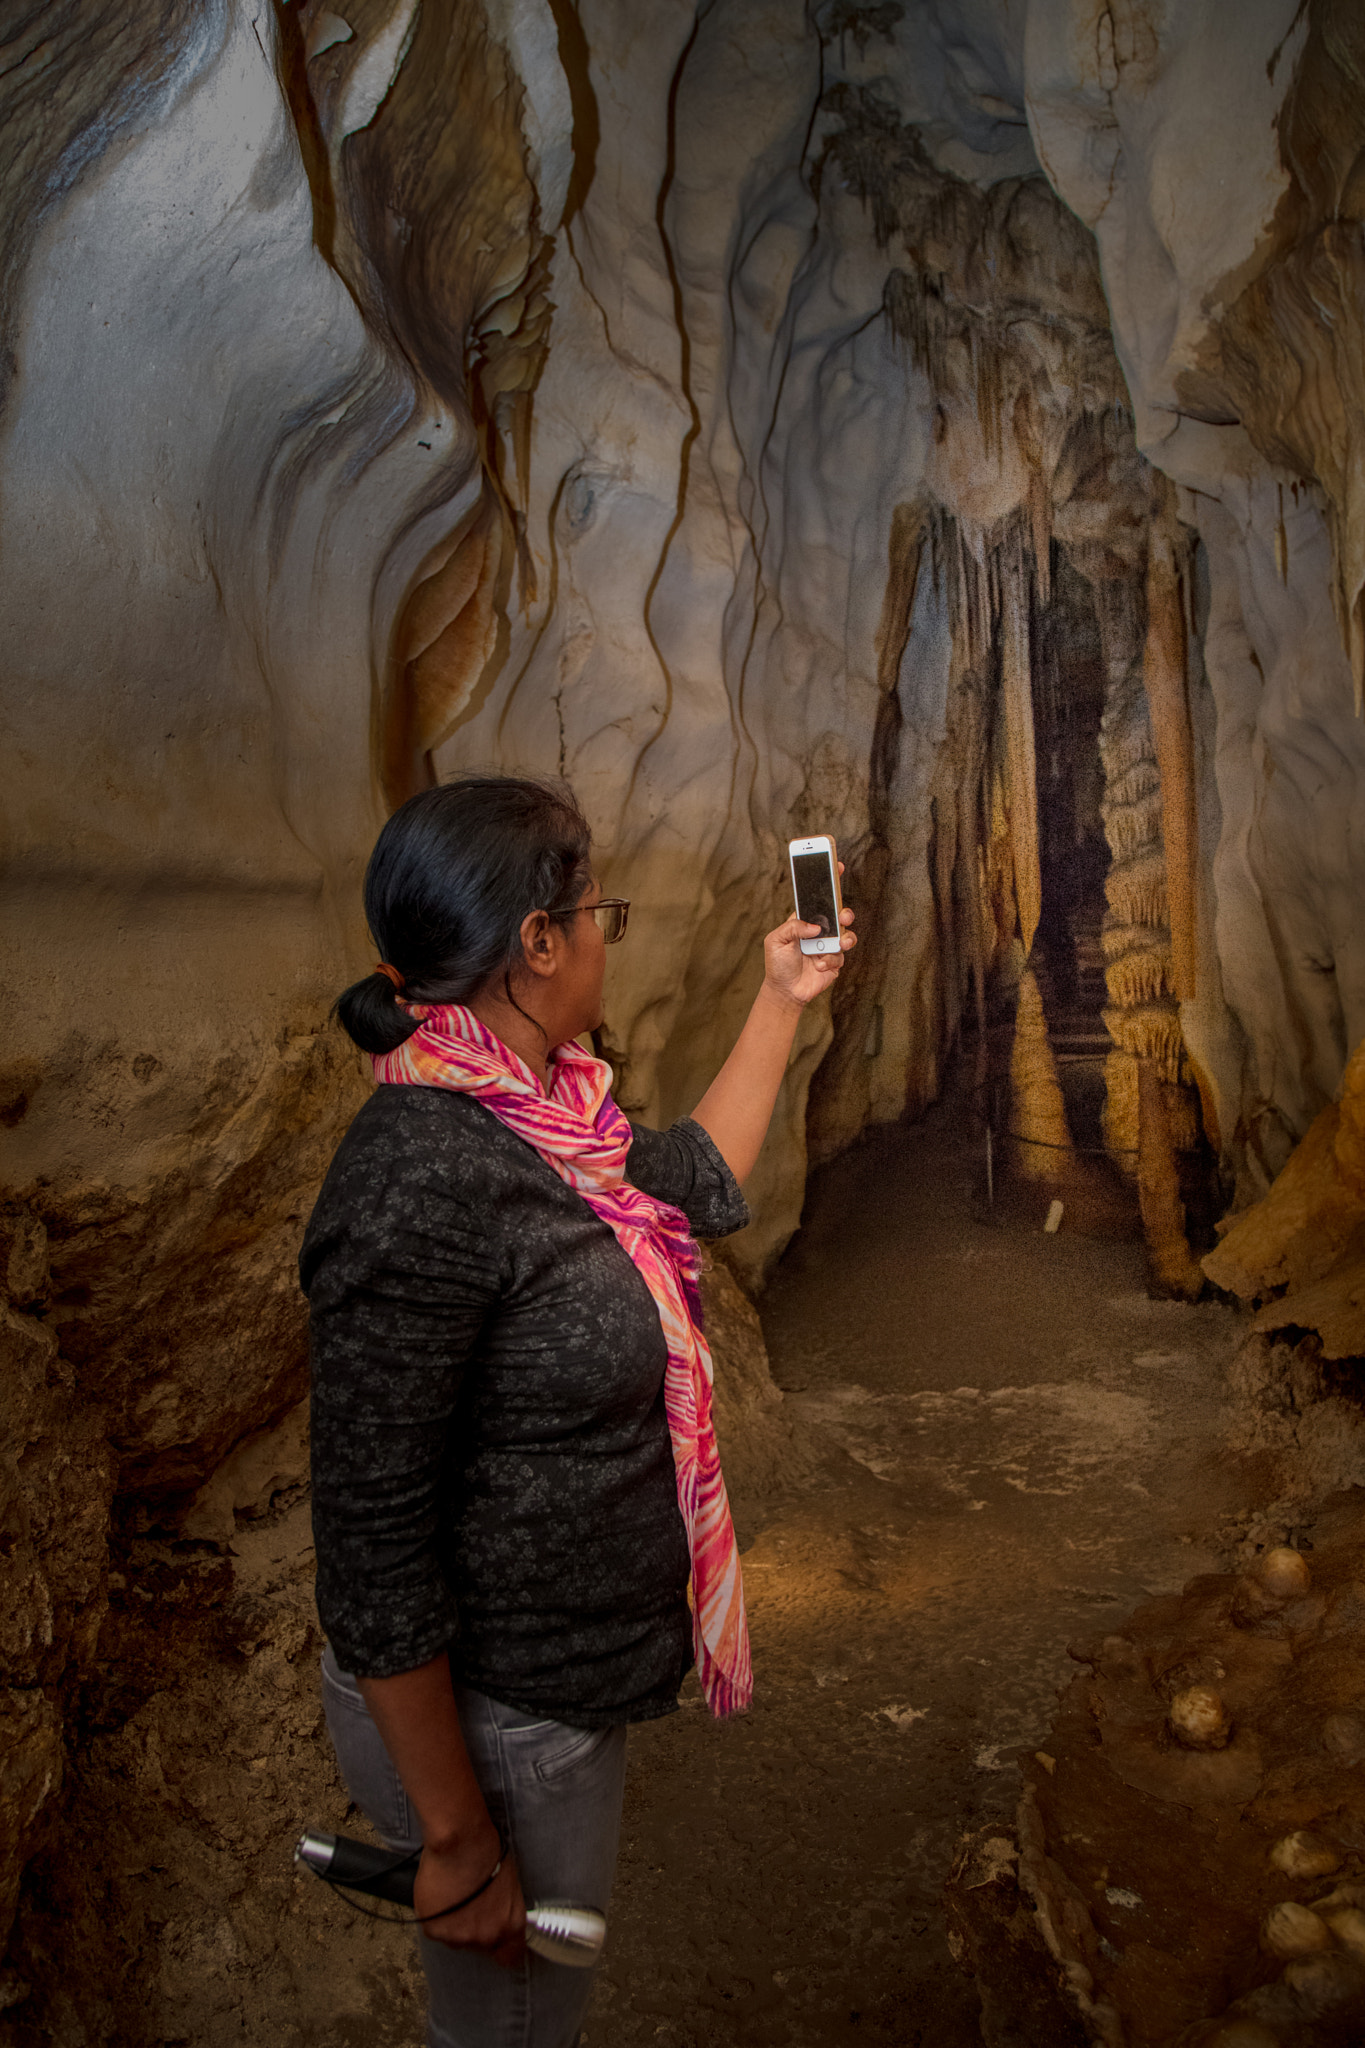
[30,1775]
[56,1483]
[1304,1242]
[265,1464]
[758,1455]
[994,1932]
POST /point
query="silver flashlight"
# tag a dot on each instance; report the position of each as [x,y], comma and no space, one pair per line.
[555,1929]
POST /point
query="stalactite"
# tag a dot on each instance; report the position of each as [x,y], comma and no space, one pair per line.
[1135,889]
[1030,440]
[904,553]
[999,857]
[969,903]
[1021,770]
[982,615]
[957,849]
[1163,676]
[1149,1031]
[960,867]
[979,899]
[1014,398]
[1135,971]
[943,860]
[1038,1112]
[859,991]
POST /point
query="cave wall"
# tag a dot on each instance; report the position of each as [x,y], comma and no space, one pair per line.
[699,401]
[784,501]
[219,481]
[1220,174]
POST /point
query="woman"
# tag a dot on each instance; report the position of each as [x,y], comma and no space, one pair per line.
[514,1473]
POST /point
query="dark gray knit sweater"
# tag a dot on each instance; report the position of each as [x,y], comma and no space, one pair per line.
[492,1470]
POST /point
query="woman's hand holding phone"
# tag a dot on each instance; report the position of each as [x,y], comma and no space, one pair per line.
[737,1106]
[796,976]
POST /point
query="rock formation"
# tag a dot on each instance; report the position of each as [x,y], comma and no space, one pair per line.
[1189,1840]
[768,416]
[1301,1250]
[1038,1125]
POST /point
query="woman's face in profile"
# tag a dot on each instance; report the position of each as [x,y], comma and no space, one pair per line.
[584,964]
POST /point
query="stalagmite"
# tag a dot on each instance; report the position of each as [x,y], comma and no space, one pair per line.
[1038,1112]
[1120,1115]
[1173,1270]
[1150,1110]
[1142,1017]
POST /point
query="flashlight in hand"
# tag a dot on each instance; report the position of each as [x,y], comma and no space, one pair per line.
[560,1932]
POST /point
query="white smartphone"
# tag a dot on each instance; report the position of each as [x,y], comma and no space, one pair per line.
[815,884]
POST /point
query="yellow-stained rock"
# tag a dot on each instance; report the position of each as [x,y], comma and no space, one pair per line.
[1305,1241]
[1038,1113]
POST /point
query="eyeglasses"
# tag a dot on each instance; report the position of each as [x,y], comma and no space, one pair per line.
[610,917]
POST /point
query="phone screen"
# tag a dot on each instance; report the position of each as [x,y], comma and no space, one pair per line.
[815,891]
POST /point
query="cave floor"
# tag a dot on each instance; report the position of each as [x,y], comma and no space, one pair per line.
[998,1444]
[1008,1446]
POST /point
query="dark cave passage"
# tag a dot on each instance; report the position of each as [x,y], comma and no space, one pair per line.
[1068,956]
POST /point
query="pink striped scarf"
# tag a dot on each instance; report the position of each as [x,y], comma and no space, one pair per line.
[579,1131]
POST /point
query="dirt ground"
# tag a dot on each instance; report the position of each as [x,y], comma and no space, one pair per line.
[998,1443]
[1014,1444]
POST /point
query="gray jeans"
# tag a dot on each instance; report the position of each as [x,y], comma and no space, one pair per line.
[554,1793]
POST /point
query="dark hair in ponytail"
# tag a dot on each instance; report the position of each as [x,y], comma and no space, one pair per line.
[452,875]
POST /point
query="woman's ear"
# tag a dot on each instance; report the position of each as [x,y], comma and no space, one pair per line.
[537,943]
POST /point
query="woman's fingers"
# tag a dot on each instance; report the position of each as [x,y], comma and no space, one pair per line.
[494,1922]
[802,976]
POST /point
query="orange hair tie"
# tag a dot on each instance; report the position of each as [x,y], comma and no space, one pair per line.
[390,974]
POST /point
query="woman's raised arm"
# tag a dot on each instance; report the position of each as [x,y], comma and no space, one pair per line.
[737,1108]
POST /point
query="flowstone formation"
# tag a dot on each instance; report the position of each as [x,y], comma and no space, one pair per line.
[934,424]
[1301,1250]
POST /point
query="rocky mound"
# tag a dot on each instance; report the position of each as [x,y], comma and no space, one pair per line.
[1189,1866]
